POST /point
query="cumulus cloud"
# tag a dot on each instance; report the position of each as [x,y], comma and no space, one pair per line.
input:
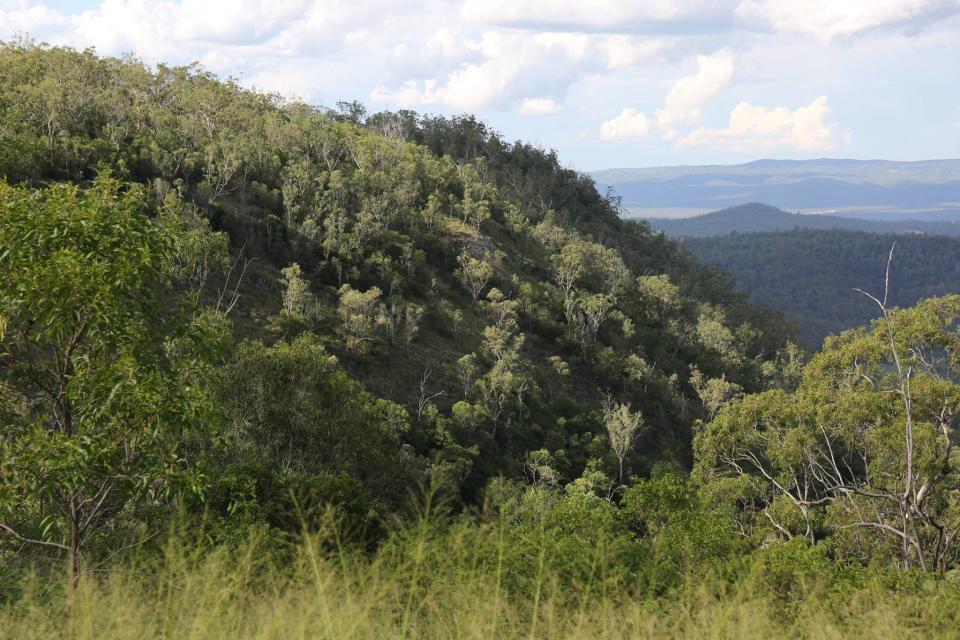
[682,104]
[818,19]
[624,51]
[750,128]
[713,75]
[826,20]
[18,17]
[428,57]
[601,15]
[410,94]
[524,57]
[216,30]
[629,124]
[754,128]
[509,68]
[441,51]
[538,106]
[471,86]
[688,94]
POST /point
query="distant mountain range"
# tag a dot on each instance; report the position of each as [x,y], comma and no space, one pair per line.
[754,217]
[843,216]
[877,189]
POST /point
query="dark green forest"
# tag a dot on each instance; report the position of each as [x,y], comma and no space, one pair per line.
[392,374]
[810,275]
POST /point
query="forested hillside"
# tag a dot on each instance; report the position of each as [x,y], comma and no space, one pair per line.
[811,275]
[269,369]
[480,268]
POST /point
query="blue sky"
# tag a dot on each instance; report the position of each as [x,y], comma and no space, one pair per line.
[608,83]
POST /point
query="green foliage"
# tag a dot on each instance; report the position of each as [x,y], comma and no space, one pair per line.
[714,393]
[292,408]
[810,274]
[860,457]
[200,255]
[243,212]
[358,315]
[622,425]
[415,208]
[298,301]
[664,296]
[475,273]
[95,408]
[686,535]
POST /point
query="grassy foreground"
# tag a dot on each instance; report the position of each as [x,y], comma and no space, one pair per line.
[450,587]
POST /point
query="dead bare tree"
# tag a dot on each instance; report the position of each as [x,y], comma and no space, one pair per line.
[227,299]
[884,490]
[424,398]
[909,501]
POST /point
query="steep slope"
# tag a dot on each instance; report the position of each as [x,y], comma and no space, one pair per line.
[755,217]
[810,274]
[494,294]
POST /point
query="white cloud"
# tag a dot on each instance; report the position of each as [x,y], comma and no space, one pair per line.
[510,67]
[480,85]
[242,22]
[18,17]
[410,94]
[441,51]
[613,16]
[754,128]
[538,106]
[507,59]
[624,51]
[819,19]
[467,56]
[469,88]
[826,20]
[714,73]
[683,103]
[214,30]
[629,124]
[257,27]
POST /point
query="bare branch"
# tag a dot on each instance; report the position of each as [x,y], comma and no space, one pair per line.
[886,277]
[425,398]
[21,538]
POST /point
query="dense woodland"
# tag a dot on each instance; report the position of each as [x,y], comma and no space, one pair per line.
[403,377]
[812,275]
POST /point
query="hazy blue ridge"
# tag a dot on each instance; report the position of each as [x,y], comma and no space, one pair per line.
[754,217]
[872,185]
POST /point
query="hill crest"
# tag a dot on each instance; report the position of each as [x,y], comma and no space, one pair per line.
[756,217]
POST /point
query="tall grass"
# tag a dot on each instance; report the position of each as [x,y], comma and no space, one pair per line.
[451,582]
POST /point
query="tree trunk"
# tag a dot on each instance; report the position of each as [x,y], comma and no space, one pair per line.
[73,555]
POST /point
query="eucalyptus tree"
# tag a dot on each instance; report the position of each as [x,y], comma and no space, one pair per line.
[358,311]
[622,426]
[96,367]
[862,453]
[475,273]
[299,302]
